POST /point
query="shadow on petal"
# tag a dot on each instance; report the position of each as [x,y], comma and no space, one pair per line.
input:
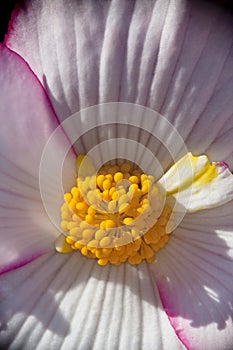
[194,277]
[56,292]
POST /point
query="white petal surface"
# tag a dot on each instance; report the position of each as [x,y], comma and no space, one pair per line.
[173,56]
[194,274]
[72,303]
[196,184]
[27,121]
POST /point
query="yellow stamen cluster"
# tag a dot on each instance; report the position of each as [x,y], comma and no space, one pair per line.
[115,217]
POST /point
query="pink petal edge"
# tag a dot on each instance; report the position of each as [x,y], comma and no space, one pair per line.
[4,46]
[28,255]
[184,340]
[23,262]
[10,26]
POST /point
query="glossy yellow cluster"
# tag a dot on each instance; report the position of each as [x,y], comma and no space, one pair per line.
[114,217]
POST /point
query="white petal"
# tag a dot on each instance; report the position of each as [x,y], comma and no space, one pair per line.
[174,57]
[195,184]
[69,302]
[27,121]
[123,130]
[195,279]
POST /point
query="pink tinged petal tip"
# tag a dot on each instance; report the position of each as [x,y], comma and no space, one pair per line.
[27,121]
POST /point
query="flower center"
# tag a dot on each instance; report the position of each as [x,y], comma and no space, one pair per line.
[114,216]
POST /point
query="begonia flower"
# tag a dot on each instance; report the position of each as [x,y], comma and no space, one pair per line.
[173,60]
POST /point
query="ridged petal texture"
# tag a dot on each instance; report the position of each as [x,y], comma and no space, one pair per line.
[195,279]
[175,57]
[27,121]
[68,302]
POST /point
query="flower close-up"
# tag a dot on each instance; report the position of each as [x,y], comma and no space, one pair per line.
[116,184]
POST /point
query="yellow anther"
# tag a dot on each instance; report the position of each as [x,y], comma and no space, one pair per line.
[140,209]
[121,191]
[109,177]
[93,244]
[144,201]
[63,225]
[71,225]
[75,217]
[91,211]
[83,225]
[87,234]
[133,189]
[115,196]
[112,206]
[146,208]
[113,258]
[120,250]
[103,261]
[81,206]
[70,240]
[109,224]
[105,242]
[75,193]
[146,251]
[78,245]
[105,195]
[106,252]
[128,221]
[89,219]
[123,207]
[118,176]
[75,231]
[102,224]
[72,205]
[135,259]
[145,187]
[102,252]
[121,230]
[66,216]
[136,245]
[123,199]
[100,234]
[91,198]
[84,251]
[134,179]
[107,184]
[135,203]
[67,197]
[112,190]
[100,180]
[143,177]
